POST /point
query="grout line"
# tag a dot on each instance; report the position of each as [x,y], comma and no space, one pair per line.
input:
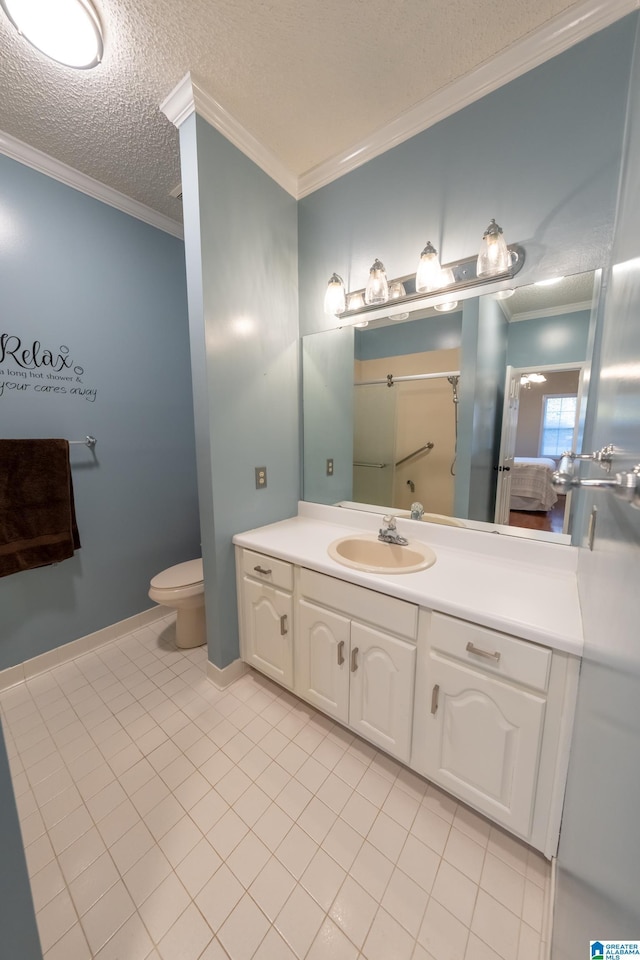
[109,689]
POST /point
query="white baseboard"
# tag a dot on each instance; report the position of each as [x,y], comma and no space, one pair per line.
[222,677]
[547,917]
[76,648]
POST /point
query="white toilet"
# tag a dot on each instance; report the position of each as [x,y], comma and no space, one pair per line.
[182,587]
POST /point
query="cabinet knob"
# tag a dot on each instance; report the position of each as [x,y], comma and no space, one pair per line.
[283,625]
[354,660]
[259,569]
[434,698]
[340,653]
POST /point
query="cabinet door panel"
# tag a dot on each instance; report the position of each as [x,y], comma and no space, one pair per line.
[268,642]
[483,742]
[322,659]
[381,704]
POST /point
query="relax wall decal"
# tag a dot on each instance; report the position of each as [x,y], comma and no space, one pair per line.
[54,371]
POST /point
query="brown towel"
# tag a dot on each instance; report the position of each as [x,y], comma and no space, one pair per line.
[37,513]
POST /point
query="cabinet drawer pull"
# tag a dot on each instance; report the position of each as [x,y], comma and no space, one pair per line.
[483,653]
[434,698]
[261,570]
[354,660]
[340,653]
[283,625]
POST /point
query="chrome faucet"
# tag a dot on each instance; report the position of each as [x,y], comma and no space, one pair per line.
[389,533]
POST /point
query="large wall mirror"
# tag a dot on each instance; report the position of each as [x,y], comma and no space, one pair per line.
[465,411]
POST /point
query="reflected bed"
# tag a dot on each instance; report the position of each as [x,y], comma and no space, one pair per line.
[531,484]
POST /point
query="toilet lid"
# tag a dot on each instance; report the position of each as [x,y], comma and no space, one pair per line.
[182,575]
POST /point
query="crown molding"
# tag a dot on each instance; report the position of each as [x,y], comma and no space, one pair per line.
[189,97]
[559,34]
[560,311]
[556,36]
[43,163]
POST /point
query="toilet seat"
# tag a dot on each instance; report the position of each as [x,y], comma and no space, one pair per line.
[180,576]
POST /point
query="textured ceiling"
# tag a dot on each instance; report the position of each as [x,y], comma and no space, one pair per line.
[307,79]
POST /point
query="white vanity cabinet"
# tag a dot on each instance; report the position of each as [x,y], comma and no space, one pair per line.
[490,723]
[360,674]
[266,614]
[483,714]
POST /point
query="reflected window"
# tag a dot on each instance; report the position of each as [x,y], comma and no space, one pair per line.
[558,424]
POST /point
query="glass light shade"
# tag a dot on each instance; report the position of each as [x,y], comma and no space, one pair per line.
[355,301]
[396,290]
[377,289]
[66,30]
[335,301]
[429,272]
[446,306]
[494,257]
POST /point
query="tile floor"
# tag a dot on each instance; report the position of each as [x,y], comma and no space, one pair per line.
[163,818]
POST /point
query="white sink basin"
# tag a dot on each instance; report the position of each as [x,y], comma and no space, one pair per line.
[367,553]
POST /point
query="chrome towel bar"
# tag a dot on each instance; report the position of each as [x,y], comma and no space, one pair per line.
[87,442]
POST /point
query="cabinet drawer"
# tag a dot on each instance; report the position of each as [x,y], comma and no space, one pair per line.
[279,573]
[386,613]
[517,660]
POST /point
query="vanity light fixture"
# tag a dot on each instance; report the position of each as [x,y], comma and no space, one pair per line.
[429,273]
[396,290]
[335,301]
[377,289]
[355,301]
[68,31]
[494,256]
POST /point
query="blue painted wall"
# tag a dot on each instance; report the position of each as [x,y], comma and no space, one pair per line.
[327,400]
[18,932]
[440,332]
[560,339]
[78,273]
[541,155]
[241,252]
[598,865]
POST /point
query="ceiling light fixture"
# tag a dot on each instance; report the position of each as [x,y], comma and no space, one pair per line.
[68,31]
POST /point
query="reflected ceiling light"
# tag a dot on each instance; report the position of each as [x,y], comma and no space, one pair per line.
[446,306]
[528,378]
[335,301]
[503,294]
[429,272]
[549,283]
[377,289]
[396,289]
[364,323]
[355,301]
[68,31]
[494,256]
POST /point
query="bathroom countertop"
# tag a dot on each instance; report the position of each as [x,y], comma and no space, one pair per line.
[522,587]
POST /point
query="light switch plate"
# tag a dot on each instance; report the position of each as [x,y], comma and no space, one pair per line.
[261,478]
[330,466]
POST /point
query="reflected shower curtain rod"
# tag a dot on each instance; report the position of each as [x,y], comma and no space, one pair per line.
[390,379]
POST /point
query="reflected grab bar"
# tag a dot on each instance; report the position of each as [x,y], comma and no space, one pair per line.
[428,447]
